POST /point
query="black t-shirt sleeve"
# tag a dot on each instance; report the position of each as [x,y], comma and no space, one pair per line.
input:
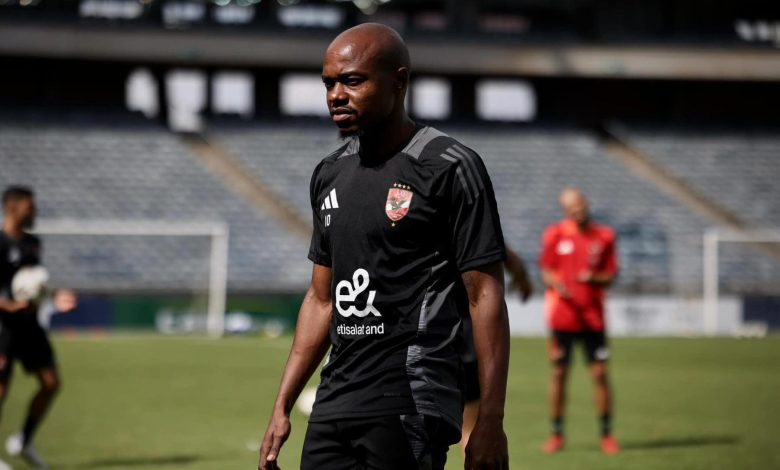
[474,223]
[319,251]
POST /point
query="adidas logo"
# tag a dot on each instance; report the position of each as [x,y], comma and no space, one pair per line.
[330,201]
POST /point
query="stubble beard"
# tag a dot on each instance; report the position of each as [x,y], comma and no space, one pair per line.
[347,135]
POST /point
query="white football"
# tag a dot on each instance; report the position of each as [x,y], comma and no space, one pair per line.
[306,401]
[29,283]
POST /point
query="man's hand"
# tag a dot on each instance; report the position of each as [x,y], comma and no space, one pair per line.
[65,300]
[596,279]
[487,447]
[520,280]
[309,347]
[551,280]
[562,290]
[524,286]
[276,435]
[585,277]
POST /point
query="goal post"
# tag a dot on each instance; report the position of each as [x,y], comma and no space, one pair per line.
[713,239]
[218,232]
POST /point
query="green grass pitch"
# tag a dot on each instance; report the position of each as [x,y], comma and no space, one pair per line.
[145,401]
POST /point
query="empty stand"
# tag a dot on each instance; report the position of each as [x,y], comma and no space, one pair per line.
[137,171]
[736,170]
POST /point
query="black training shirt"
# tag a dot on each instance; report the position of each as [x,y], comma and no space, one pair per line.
[397,236]
[15,254]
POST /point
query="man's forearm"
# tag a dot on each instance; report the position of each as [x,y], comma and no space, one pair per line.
[490,329]
[308,348]
[12,306]
[7,306]
[601,279]
[515,265]
[549,279]
[604,279]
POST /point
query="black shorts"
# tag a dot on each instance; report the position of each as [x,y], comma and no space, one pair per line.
[29,345]
[394,442]
[594,342]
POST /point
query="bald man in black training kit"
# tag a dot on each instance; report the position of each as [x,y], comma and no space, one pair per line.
[406,241]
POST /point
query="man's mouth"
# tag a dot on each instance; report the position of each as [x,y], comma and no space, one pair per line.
[341,114]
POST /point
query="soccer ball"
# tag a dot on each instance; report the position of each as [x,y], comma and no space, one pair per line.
[29,283]
[306,400]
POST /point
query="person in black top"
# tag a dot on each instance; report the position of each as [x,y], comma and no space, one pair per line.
[407,240]
[21,336]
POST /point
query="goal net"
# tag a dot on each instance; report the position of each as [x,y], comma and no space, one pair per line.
[738,263]
[123,257]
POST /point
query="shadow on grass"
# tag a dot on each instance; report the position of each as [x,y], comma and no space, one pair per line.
[688,441]
[140,461]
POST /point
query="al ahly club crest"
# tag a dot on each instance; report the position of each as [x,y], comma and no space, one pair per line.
[399,198]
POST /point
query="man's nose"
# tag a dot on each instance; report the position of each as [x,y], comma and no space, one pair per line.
[337,94]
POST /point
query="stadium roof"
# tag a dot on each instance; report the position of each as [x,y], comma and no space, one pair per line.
[304,51]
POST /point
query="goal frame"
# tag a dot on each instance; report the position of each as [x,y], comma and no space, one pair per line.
[711,290]
[218,232]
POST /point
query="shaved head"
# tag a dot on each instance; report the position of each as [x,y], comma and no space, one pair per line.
[571,195]
[366,75]
[575,205]
[382,44]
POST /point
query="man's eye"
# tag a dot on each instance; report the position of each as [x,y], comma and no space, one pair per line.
[354,81]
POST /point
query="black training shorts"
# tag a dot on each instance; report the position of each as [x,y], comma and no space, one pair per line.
[408,442]
[594,342]
[29,344]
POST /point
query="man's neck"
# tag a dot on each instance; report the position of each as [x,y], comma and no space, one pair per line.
[381,143]
[12,229]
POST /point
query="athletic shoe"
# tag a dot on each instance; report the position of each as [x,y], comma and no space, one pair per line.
[609,445]
[553,444]
[4,466]
[14,447]
[14,444]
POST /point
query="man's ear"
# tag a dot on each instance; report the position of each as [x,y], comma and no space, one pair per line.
[402,79]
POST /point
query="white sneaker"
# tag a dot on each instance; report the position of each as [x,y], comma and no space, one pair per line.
[14,447]
[4,466]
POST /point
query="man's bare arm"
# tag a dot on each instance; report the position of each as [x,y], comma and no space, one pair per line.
[598,279]
[551,281]
[487,447]
[520,278]
[13,306]
[309,347]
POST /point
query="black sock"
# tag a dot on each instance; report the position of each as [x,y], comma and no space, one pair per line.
[557,426]
[606,424]
[29,430]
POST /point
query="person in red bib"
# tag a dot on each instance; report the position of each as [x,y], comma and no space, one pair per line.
[578,263]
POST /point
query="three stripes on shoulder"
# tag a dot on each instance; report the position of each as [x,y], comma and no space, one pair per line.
[330,201]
